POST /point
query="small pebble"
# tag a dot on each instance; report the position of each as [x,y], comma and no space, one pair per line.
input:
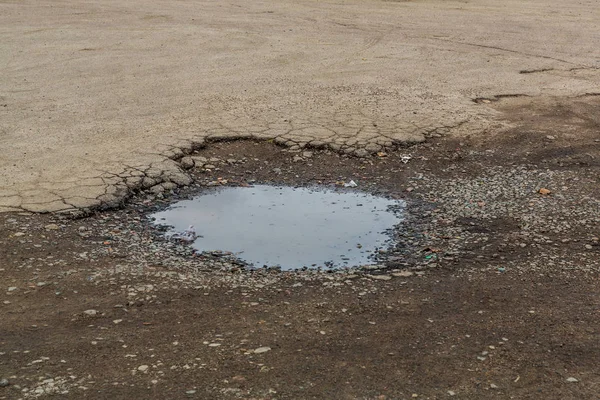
[381,277]
[261,350]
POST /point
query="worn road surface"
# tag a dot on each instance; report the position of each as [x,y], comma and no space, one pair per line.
[492,294]
[484,116]
[97,96]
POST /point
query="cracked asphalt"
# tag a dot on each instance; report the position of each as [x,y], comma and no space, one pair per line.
[490,289]
[99,99]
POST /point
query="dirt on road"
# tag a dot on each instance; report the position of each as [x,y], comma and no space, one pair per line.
[492,292]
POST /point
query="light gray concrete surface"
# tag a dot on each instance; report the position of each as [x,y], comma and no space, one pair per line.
[98,97]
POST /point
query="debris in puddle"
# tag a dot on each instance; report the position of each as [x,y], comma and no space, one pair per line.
[187,236]
[284,227]
[351,184]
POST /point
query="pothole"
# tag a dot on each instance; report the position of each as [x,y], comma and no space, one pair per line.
[286,227]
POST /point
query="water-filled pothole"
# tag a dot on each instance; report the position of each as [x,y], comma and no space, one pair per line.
[287,227]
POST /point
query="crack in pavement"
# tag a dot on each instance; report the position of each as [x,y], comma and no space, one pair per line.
[484,46]
[112,188]
[84,129]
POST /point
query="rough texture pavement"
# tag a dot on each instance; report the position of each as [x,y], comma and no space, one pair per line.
[99,98]
[490,291]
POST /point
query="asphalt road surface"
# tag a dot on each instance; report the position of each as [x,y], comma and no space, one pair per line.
[99,98]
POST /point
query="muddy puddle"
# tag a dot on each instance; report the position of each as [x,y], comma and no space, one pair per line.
[286,227]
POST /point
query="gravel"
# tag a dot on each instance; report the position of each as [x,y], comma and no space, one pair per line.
[492,221]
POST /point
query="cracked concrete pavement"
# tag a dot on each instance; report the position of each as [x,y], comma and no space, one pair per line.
[101,98]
